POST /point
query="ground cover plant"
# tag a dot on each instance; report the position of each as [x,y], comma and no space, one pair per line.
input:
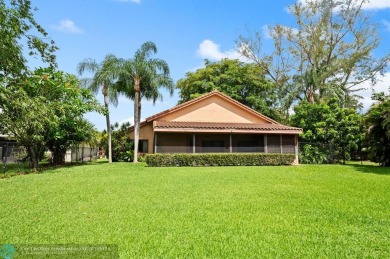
[229,212]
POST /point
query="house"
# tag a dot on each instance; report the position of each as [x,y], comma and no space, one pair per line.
[215,123]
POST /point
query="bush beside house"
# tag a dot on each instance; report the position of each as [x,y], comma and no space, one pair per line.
[159,160]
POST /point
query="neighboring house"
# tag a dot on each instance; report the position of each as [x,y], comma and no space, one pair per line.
[8,148]
[215,123]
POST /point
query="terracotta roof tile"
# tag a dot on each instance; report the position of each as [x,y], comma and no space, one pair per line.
[222,126]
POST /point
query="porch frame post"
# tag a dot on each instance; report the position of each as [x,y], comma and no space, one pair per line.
[230,143]
[193,143]
[281,144]
[155,143]
[296,150]
[265,144]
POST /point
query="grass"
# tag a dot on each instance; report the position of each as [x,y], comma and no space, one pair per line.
[216,212]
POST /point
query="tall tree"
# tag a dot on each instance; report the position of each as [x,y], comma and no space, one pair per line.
[377,136]
[326,55]
[330,132]
[104,78]
[45,109]
[243,82]
[17,109]
[141,77]
[18,28]
[71,131]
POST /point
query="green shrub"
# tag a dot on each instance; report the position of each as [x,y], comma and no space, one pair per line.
[218,159]
[121,144]
[313,155]
[141,157]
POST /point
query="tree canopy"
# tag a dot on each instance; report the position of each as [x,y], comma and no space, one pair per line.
[19,29]
[330,132]
[377,138]
[45,110]
[325,55]
[122,145]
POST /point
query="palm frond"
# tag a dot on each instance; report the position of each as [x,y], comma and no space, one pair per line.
[147,49]
[89,65]
[105,75]
[153,74]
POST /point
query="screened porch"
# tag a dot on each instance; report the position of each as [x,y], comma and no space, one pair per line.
[224,143]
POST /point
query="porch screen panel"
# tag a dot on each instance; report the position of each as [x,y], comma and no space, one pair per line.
[174,143]
[212,143]
[288,143]
[273,143]
[248,143]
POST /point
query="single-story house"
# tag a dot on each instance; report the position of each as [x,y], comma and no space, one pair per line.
[215,123]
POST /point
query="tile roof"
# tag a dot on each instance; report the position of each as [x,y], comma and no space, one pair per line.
[223,126]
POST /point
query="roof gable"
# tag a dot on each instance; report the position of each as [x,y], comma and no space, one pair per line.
[212,107]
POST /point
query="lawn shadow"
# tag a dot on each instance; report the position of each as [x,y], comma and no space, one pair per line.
[372,169]
[50,167]
[44,168]
[101,161]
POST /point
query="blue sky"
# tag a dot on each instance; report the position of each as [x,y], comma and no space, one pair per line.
[185,31]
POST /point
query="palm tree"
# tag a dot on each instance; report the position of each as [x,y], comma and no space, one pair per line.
[104,77]
[141,77]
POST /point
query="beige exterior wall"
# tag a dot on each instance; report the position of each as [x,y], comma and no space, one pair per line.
[213,109]
[146,132]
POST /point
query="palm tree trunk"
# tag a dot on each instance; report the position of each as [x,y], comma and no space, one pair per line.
[136,117]
[106,101]
[310,95]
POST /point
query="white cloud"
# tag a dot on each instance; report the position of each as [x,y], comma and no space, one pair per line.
[208,49]
[381,86]
[387,24]
[67,26]
[377,4]
[370,5]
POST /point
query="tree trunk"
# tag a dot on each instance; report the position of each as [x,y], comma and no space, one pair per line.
[106,102]
[59,156]
[310,95]
[136,117]
[34,155]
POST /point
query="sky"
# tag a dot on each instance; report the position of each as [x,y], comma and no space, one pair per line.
[186,33]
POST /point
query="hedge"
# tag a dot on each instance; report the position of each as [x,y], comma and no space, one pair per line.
[219,159]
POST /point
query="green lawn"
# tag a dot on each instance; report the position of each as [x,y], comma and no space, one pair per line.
[293,211]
